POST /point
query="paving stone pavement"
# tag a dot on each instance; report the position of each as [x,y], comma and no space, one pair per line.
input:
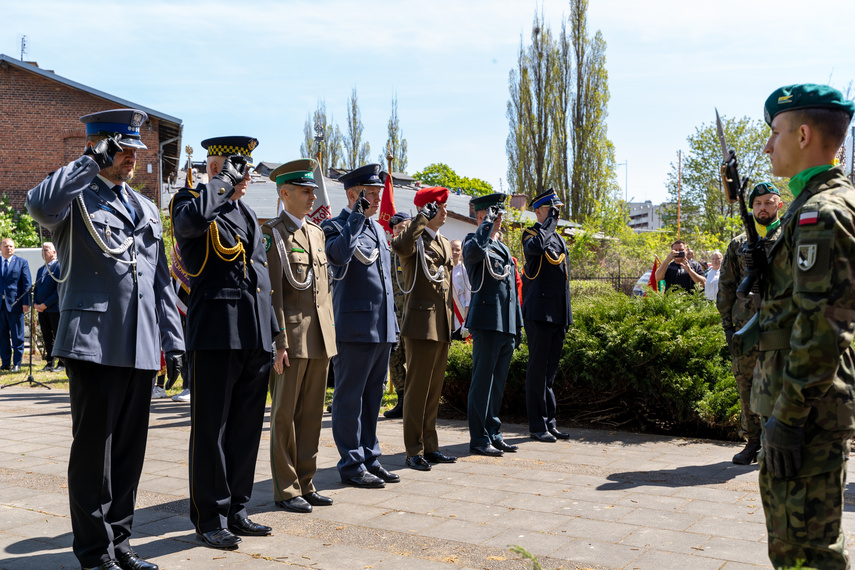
[602,500]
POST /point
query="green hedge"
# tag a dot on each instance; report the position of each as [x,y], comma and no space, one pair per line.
[657,362]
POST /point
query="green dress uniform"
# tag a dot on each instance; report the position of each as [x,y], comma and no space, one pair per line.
[805,375]
[736,309]
[398,358]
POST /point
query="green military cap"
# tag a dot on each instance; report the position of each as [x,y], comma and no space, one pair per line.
[760,190]
[299,172]
[805,96]
[484,202]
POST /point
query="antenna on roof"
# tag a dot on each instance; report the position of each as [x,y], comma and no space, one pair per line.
[23,46]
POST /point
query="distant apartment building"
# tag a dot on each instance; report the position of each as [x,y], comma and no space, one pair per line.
[645,216]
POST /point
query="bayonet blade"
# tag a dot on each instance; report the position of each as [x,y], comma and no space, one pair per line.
[725,155]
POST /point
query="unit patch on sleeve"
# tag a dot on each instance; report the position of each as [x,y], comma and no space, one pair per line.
[806,256]
[268,241]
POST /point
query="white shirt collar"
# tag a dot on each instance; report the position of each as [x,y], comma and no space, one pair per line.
[109,184]
[297,221]
[431,232]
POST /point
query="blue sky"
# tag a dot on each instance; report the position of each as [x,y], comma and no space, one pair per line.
[259,68]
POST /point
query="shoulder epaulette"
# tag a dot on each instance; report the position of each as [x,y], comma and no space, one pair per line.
[271,222]
[311,223]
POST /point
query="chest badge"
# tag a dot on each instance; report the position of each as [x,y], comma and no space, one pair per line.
[806,256]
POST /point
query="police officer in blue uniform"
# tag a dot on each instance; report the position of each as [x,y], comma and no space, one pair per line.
[118,312]
[495,322]
[365,327]
[546,313]
[230,330]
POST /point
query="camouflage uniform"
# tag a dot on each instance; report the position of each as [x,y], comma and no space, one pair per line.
[398,358]
[806,370]
[736,309]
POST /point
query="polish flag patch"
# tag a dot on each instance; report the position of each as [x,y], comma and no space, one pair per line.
[808,218]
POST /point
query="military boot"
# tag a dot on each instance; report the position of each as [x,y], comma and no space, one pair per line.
[749,454]
[397,412]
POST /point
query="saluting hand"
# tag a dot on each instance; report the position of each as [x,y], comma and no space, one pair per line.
[104,151]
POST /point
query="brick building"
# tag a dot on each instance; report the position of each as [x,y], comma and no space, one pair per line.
[40,130]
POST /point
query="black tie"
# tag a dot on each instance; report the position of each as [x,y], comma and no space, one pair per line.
[120,192]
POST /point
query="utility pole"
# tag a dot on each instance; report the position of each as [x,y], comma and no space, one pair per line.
[23,46]
[679,189]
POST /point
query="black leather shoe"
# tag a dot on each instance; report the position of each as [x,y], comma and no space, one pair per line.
[559,434]
[295,505]
[317,500]
[246,527]
[543,436]
[7,367]
[130,560]
[439,457]
[220,538]
[395,413]
[418,462]
[487,450]
[111,565]
[385,475]
[365,480]
[506,447]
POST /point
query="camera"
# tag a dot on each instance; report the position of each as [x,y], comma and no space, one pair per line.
[680,254]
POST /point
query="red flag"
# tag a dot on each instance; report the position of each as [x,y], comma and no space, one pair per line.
[652,281]
[387,205]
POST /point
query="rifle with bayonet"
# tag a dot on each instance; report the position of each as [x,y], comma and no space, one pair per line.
[755,250]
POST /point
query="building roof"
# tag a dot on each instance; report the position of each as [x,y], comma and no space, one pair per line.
[26,66]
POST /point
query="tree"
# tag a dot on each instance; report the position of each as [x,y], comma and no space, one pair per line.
[593,178]
[395,143]
[330,147]
[356,152]
[557,116]
[530,112]
[704,206]
[439,174]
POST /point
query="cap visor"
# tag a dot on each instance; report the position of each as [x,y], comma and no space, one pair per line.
[133,143]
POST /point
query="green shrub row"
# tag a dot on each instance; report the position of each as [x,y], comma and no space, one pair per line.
[653,363]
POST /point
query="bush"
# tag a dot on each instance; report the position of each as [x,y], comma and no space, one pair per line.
[657,362]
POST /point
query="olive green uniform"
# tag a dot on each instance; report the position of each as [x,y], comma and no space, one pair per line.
[806,370]
[736,309]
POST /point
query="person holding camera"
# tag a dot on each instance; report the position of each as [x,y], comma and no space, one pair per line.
[679,270]
[230,331]
[425,256]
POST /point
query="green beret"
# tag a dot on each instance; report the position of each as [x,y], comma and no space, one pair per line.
[805,96]
[484,202]
[760,190]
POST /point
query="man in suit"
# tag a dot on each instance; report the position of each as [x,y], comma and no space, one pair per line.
[46,301]
[230,330]
[426,265]
[365,330]
[546,313]
[495,322]
[118,312]
[302,303]
[15,285]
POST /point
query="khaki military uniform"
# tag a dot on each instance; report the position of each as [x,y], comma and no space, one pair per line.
[305,318]
[426,332]
[736,309]
[806,370]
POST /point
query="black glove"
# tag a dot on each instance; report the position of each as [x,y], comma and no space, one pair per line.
[518,339]
[553,212]
[728,334]
[174,364]
[361,204]
[755,258]
[782,445]
[492,213]
[104,151]
[233,170]
[429,210]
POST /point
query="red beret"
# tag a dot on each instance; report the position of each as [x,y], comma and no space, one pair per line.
[431,194]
